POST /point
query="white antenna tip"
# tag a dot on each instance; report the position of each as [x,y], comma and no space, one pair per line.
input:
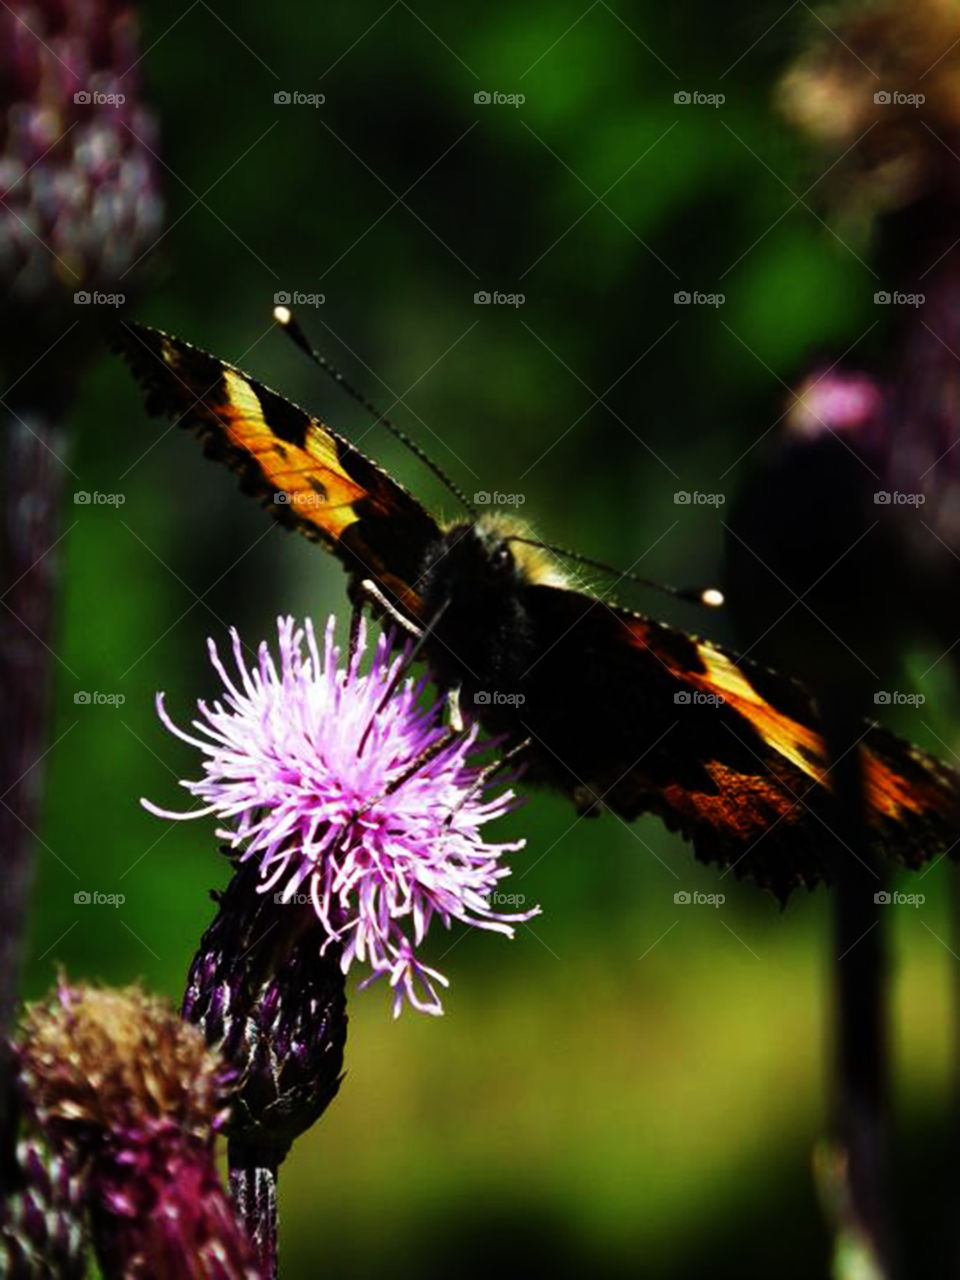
[282,315]
[712,597]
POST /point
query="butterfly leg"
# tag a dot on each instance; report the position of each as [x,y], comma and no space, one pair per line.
[486,775]
[370,589]
[356,617]
[425,756]
[453,709]
[410,654]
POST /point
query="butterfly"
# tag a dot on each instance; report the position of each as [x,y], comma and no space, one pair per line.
[609,707]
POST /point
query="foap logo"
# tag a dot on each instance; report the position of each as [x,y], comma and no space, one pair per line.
[497,698]
[293,900]
[884,298]
[896,899]
[84,498]
[94,898]
[686,898]
[694,498]
[308,500]
[84,298]
[294,298]
[84,698]
[694,98]
[483,498]
[486,98]
[484,298]
[894,698]
[294,98]
[507,899]
[684,298]
[894,98]
[94,98]
[894,498]
[695,698]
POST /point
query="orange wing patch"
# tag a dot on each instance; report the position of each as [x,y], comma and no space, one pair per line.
[722,678]
[310,478]
[890,794]
[775,784]
[795,742]
[915,785]
[743,806]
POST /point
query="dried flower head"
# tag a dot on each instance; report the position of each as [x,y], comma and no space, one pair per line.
[343,786]
[96,1059]
[877,89]
[130,1095]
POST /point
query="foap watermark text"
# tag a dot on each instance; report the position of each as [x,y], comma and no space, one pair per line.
[498,698]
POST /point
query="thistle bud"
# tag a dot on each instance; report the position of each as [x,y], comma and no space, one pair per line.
[262,993]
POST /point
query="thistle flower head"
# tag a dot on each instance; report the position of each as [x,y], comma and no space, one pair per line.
[876,87]
[344,787]
[131,1097]
[98,1061]
[80,197]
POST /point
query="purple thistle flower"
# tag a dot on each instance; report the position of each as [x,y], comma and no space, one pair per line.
[341,781]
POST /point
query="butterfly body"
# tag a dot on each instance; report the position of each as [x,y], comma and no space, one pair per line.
[618,711]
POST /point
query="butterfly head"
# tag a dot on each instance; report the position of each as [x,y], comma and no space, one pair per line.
[474,589]
[485,556]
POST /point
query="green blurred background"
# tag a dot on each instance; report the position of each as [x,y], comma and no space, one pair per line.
[630,1087]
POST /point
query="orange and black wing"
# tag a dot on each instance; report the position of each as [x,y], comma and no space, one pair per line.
[310,478]
[723,750]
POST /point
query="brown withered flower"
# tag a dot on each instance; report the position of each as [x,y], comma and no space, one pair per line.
[131,1096]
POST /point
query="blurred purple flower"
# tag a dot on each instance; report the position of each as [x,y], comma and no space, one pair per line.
[844,402]
[80,206]
[341,781]
[79,200]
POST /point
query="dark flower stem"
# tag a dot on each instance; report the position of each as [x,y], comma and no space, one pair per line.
[954,1190]
[860,1012]
[253,1185]
[31,477]
[861,1044]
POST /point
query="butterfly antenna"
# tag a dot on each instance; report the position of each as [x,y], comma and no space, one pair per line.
[291,326]
[708,597]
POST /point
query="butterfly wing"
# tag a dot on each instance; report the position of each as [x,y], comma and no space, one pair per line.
[310,478]
[649,719]
[623,711]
